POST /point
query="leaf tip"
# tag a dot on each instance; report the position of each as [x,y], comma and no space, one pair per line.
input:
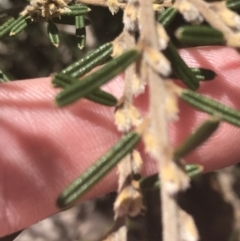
[60,203]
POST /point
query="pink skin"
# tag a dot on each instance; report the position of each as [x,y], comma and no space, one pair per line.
[43,148]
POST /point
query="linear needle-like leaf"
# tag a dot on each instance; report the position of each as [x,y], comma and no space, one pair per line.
[180,68]
[211,107]
[80,31]
[89,83]
[78,7]
[201,74]
[88,62]
[193,170]
[98,96]
[53,33]
[63,80]
[167,16]
[6,27]
[3,77]
[76,10]
[199,35]
[200,135]
[98,170]
[19,25]
[103,98]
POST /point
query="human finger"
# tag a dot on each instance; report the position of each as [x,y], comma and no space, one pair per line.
[45,147]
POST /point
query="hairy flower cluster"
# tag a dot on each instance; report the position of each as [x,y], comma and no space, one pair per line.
[45,9]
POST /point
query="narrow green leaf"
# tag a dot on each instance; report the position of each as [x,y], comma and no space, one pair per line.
[19,25]
[6,24]
[151,183]
[6,27]
[78,7]
[92,63]
[80,31]
[193,170]
[75,13]
[76,10]
[98,170]
[199,35]
[97,79]
[53,33]
[3,77]
[98,96]
[103,98]
[63,81]
[233,5]
[200,135]
[79,23]
[203,74]
[167,16]
[88,62]
[211,107]
[180,68]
